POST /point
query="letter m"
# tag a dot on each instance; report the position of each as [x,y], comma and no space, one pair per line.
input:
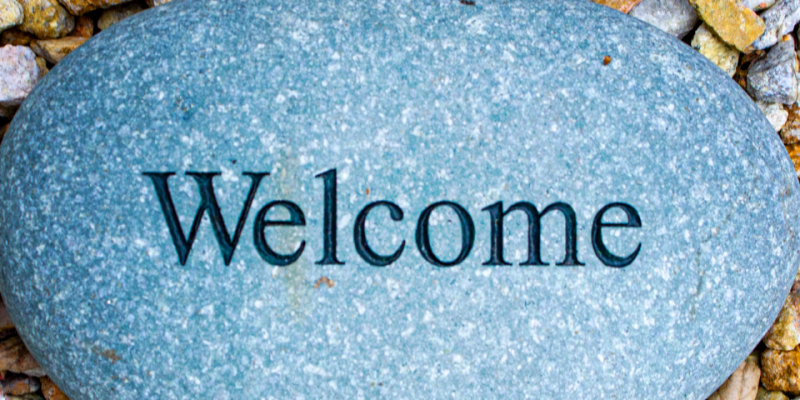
[208,203]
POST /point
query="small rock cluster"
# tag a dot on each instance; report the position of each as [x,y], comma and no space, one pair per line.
[37,34]
[34,36]
[754,42]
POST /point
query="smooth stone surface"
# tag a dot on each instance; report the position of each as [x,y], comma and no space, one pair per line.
[412,102]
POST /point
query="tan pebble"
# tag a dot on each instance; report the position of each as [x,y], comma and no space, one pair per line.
[769,395]
[14,356]
[116,14]
[46,19]
[790,133]
[42,64]
[51,391]
[10,14]
[80,7]
[15,37]
[56,49]
[780,370]
[619,5]
[715,49]
[734,23]
[742,384]
[156,3]
[785,332]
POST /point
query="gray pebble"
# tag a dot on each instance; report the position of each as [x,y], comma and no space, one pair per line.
[676,17]
[773,78]
[780,19]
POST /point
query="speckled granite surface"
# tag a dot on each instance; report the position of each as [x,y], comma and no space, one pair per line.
[412,102]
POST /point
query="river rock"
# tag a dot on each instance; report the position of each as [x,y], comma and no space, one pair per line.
[312,206]
[676,17]
[10,14]
[779,20]
[734,23]
[715,49]
[46,19]
[18,74]
[773,79]
[56,49]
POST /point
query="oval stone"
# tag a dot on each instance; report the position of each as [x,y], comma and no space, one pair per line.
[409,199]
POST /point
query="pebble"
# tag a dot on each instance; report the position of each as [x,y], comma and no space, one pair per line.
[10,14]
[619,5]
[80,7]
[55,50]
[156,3]
[15,37]
[785,333]
[790,133]
[51,391]
[715,49]
[84,27]
[46,19]
[18,74]
[779,20]
[742,384]
[676,17]
[794,154]
[758,5]
[764,394]
[31,396]
[15,357]
[780,370]
[773,79]
[19,384]
[114,15]
[733,22]
[775,113]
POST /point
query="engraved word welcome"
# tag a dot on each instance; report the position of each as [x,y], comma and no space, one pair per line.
[496,213]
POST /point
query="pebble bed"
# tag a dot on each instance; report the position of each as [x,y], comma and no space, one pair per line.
[753,41]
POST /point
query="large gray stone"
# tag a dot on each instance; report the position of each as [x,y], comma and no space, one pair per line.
[412,102]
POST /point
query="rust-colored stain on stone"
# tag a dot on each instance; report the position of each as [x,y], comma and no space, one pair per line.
[620,5]
[326,281]
[734,23]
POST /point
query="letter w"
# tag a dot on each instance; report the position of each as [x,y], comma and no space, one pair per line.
[208,202]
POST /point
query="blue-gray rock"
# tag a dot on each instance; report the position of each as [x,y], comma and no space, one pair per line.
[773,79]
[391,132]
[676,17]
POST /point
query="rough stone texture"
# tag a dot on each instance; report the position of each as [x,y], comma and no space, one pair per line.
[10,14]
[116,14]
[18,74]
[715,49]
[15,37]
[768,395]
[779,20]
[619,5]
[742,384]
[25,397]
[506,101]
[55,50]
[773,79]
[51,391]
[156,3]
[790,133]
[780,370]
[676,17]
[46,19]
[79,7]
[734,23]
[775,113]
[794,154]
[15,357]
[84,27]
[758,5]
[785,333]
[19,385]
